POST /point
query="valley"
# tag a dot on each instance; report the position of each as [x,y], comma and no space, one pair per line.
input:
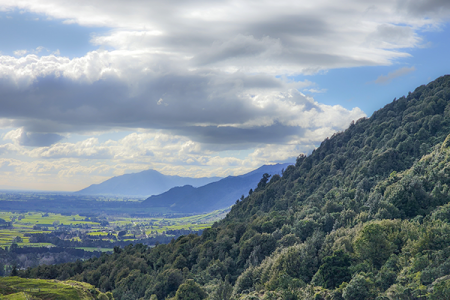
[364,216]
[84,230]
[225,150]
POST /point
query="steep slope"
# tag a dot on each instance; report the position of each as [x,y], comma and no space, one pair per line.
[365,216]
[145,183]
[392,139]
[216,195]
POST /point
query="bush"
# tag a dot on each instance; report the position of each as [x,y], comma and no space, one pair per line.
[190,291]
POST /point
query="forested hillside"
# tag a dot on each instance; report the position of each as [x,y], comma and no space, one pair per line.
[365,216]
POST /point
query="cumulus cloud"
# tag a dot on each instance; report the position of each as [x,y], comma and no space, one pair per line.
[200,68]
[384,79]
[50,96]
[62,174]
[160,150]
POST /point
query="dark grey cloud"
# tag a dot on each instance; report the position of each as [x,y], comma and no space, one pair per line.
[209,106]
[428,8]
[186,102]
[239,47]
[289,26]
[248,137]
[38,139]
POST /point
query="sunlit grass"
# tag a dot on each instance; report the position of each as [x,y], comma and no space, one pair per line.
[21,288]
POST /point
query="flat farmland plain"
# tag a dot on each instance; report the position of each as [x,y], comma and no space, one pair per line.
[102,228]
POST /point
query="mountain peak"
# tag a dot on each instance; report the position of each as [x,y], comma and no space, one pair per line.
[143,184]
[215,195]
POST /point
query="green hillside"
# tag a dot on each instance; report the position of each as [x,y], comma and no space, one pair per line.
[365,216]
[19,288]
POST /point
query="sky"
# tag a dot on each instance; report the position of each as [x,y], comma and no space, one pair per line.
[95,89]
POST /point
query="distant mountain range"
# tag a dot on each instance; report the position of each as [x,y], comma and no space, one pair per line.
[212,196]
[143,184]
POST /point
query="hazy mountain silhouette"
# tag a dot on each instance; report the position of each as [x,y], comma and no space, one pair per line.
[215,195]
[145,183]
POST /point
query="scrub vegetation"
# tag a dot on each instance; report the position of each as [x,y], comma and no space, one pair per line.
[15,288]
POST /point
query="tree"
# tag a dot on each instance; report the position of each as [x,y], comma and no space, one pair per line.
[14,271]
[17,239]
[335,269]
[373,244]
[441,290]
[190,291]
[357,289]
[223,291]
[180,262]
[262,183]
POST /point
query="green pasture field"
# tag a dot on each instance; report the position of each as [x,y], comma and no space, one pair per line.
[135,227]
[30,219]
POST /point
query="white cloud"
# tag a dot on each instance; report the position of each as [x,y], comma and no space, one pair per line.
[38,50]
[89,148]
[389,36]
[13,135]
[316,91]
[63,174]
[20,52]
[271,36]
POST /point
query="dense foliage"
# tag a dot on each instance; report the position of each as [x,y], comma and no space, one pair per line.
[365,216]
